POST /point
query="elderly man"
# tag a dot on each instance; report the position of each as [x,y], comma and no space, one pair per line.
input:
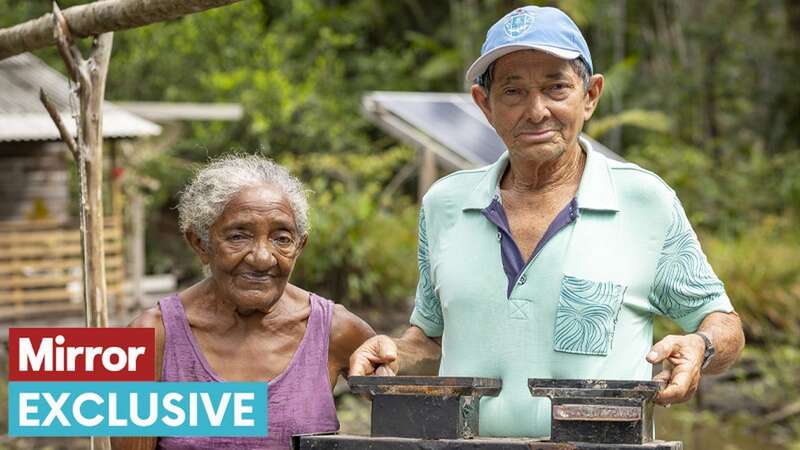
[553,261]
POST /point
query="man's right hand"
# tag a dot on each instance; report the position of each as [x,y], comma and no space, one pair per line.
[376,356]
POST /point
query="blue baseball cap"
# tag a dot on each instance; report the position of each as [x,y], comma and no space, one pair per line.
[532,28]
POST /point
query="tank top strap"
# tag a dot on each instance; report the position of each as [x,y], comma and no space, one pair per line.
[174,318]
[323,320]
[182,360]
[310,361]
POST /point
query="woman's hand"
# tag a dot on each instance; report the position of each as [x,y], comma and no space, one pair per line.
[376,356]
[414,353]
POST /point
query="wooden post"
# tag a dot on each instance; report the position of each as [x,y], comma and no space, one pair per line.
[117,215]
[90,77]
[427,172]
[91,124]
[137,250]
[115,181]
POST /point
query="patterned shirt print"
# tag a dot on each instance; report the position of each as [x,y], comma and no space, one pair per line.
[684,280]
[426,302]
[586,316]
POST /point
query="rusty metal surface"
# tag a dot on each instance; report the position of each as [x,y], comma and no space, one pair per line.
[644,389]
[433,386]
[597,432]
[597,412]
[658,445]
[344,442]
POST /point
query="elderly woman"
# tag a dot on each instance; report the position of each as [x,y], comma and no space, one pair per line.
[247,219]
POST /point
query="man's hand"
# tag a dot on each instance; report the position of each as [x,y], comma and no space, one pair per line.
[376,356]
[682,357]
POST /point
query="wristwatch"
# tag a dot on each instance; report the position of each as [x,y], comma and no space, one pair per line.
[710,350]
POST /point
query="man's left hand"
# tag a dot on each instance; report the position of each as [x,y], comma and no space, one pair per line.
[682,357]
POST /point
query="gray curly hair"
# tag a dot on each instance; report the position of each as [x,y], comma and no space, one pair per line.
[213,186]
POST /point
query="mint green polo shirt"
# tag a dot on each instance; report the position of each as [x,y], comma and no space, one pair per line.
[583,306]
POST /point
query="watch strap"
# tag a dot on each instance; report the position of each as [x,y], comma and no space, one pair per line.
[709,351]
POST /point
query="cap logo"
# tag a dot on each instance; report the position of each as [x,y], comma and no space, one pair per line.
[519,22]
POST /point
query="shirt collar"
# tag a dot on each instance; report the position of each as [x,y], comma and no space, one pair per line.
[596,190]
[483,193]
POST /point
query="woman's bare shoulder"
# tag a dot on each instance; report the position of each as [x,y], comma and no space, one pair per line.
[348,331]
[149,318]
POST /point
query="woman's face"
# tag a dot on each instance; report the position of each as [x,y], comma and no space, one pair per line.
[252,248]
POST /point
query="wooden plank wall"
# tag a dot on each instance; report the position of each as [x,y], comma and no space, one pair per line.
[40,268]
[34,181]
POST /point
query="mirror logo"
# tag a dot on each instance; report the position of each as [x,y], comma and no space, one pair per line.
[101,382]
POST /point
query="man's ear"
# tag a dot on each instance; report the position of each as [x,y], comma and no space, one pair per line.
[596,83]
[198,246]
[481,98]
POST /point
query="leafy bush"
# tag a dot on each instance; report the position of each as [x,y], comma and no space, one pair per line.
[362,246]
[728,196]
[359,253]
[761,271]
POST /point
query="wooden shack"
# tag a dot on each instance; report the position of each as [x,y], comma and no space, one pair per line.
[40,248]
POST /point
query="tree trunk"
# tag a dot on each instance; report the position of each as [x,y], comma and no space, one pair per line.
[87,149]
[97,18]
[91,101]
[619,13]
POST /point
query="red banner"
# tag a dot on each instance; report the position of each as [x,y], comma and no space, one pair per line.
[81,354]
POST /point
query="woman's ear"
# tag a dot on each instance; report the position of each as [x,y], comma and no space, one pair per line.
[198,246]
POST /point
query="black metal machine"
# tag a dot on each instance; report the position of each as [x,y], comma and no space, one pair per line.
[442,413]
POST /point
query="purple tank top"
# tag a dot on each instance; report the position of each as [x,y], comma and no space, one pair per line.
[300,398]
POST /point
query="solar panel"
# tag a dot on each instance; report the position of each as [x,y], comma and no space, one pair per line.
[452,120]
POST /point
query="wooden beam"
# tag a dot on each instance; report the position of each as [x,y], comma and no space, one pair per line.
[427,172]
[97,18]
[136,253]
[51,264]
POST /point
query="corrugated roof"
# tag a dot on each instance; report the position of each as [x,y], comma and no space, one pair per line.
[170,112]
[23,118]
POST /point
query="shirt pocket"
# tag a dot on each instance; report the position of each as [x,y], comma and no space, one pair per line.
[586,316]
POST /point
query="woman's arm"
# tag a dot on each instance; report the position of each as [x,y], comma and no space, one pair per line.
[348,332]
[150,318]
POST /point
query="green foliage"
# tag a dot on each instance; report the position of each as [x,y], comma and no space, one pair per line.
[761,272]
[729,195]
[647,120]
[361,242]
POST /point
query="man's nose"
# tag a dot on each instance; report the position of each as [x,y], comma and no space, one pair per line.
[537,108]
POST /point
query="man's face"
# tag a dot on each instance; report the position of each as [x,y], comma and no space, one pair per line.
[537,104]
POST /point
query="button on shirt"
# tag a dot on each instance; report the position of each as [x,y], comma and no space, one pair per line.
[513,264]
[582,307]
